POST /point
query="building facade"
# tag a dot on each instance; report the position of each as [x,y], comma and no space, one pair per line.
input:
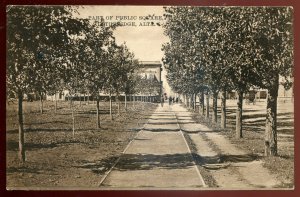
[150,70]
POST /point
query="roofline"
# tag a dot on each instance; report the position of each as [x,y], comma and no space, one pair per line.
[149,62]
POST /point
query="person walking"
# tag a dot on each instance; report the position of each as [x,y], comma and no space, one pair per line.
[170,100]
[162,100]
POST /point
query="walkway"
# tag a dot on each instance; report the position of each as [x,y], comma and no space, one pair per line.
[232,168]
[158,157]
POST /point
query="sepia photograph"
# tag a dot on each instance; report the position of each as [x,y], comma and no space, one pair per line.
[123,97]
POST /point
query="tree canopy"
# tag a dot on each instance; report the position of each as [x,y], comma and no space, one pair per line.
[230,48]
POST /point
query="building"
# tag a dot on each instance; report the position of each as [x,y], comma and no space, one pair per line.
[148,70]
[60,96]
[151,69]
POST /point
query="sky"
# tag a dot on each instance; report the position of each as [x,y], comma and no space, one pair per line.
[143,40]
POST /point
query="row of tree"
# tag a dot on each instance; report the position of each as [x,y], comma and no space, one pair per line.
[50,50]
[219,49]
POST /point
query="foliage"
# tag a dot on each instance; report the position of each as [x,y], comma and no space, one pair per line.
[231,48]
[49,50]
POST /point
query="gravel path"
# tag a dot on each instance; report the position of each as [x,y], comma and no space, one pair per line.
[230,167]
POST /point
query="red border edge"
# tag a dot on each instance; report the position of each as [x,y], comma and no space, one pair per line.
[208,193]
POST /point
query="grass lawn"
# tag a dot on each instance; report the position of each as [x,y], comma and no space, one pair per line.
[54,158]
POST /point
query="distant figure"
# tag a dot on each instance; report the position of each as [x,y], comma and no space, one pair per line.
[162,100]
[176,99]
[170,100]
[173,100]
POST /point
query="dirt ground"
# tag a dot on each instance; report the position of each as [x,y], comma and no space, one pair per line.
[54,158]
[253,136]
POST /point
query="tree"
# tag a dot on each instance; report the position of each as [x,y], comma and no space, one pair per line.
[219,46]
[73,73]
[239,53]
[123,64]
[242,46]
[273,41]
[130,85]
[135,84]
[96,42]
[180,76]
[34,33]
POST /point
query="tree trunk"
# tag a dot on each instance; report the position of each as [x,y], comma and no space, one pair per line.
[21,128]
[110,106]
[223,110]
[55,103]
[73,118]
[7,99]
[125,98]
[207,106]
[239,117]
[73,115]
[191,105]
[119,104]
[70,99]
[98,112]
[201,104]
[80,100]
[215,107]
[195,98]
[271,121]
[42,104]
[186,101]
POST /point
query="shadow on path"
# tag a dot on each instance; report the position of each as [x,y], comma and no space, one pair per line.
[224,158]
[130,162]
